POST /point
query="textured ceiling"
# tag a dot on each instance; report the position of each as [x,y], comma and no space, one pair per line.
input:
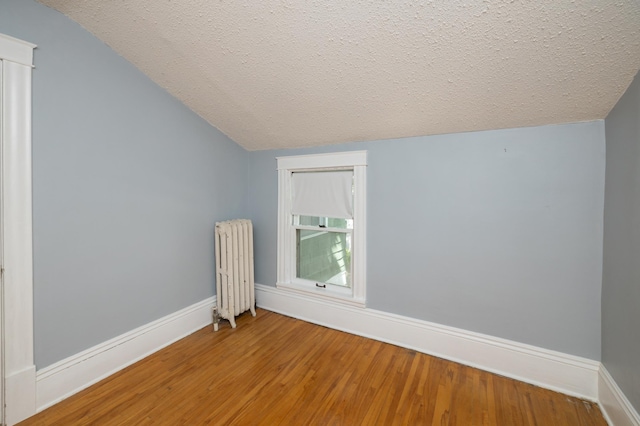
[293,73]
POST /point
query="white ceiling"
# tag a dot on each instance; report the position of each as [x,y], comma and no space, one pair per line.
[293,73]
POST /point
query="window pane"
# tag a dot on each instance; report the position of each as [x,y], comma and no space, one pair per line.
[324,257]
[328,222]
[308,220]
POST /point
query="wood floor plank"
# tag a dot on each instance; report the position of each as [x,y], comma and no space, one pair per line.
[274,370]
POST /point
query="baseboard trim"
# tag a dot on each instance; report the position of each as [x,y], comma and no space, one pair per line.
[73,374]
[614,404]
[553,370]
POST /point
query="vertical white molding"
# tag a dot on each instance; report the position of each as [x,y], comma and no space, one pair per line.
[284,240]
[359,260]
[2,372]
[20,370]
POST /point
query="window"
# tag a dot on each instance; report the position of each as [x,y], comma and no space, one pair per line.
[321,225]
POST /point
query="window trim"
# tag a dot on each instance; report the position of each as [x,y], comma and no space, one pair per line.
[286,255]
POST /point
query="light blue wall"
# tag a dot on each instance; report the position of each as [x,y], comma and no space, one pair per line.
[505,233]
[127,185]
[621,270]
[498,232]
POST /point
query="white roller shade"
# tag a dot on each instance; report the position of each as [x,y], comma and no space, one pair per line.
[324,194]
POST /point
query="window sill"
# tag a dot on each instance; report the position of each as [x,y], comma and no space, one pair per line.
[322,294]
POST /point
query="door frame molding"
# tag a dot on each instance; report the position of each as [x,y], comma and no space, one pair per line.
[17,229]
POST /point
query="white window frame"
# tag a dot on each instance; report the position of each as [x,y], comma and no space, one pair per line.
[286,273]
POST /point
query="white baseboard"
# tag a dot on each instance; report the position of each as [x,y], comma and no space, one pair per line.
[20,391]
[614,404]
[565,373]
[553,370]
[71,375]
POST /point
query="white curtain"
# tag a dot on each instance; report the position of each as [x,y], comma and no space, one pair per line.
[324,194]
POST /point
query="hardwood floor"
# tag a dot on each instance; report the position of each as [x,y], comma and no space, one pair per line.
[277,370]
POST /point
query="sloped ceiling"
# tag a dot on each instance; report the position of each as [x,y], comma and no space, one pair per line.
[294,73]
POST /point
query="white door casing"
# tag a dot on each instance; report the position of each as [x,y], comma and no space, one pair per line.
[19,368]
[1,276]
